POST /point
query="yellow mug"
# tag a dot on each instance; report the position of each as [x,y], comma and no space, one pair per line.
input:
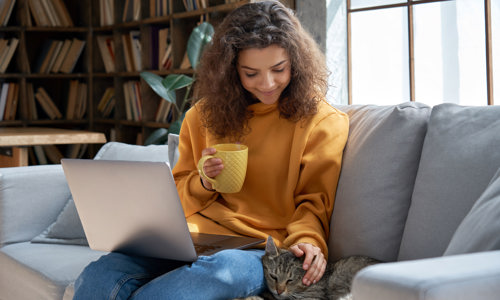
[231,178]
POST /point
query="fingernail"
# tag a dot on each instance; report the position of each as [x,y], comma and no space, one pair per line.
[306,267]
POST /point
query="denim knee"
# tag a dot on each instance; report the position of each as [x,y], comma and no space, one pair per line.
[117,276]
[225,275]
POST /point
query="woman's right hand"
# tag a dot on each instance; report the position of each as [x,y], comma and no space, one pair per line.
[212,167]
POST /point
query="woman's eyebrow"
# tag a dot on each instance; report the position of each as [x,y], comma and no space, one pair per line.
[274,66]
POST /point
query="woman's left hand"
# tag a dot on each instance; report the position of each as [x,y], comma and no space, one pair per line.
[314,262]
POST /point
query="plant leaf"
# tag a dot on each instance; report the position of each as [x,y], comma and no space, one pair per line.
[156,83]
[176,81]
[200,36]
[157,137]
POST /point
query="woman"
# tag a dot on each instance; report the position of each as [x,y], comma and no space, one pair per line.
[260,83]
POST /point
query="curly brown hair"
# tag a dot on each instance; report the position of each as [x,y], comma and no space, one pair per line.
[257,25]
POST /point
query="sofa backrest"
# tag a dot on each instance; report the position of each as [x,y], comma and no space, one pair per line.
[460,155]
[379,167]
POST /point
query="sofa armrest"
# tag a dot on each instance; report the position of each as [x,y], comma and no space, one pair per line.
[468,276]
[30,200]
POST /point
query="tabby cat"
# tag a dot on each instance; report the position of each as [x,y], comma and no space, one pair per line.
[283,273]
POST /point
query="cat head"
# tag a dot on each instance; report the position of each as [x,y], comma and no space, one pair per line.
[283,271]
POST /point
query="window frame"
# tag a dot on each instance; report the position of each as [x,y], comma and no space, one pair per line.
[410,4]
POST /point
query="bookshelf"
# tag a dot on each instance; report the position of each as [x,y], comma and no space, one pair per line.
[91,93]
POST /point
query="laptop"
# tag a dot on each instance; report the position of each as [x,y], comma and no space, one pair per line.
[133,207]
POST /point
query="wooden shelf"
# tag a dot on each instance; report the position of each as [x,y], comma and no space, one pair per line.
[90,69]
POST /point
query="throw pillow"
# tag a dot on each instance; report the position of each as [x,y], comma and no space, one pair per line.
[67,229]
[459,157]
[479,230]
[378,172]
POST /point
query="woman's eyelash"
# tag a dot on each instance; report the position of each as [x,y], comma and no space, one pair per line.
[250,75]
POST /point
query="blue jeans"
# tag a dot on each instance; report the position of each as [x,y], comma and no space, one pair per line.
[225,275]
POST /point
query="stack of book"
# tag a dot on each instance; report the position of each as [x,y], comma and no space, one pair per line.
[50,13]
[7,49]
[164,112]
[132,50]
[59,56]
[158,8]
[9,98]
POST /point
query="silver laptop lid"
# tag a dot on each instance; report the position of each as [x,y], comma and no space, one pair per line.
[131,207]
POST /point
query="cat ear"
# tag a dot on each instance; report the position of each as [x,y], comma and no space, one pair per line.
[271,248]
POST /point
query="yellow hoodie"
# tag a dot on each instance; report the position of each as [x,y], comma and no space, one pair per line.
[291,179]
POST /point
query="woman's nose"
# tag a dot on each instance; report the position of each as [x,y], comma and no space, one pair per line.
[267,81]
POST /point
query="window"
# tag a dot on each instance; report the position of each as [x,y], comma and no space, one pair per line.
[430,51]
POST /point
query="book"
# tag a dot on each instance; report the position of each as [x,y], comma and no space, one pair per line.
[106,9]
[72,99]
[128,101]
[163,111]
[50,13]
[47,104]
[53,57]
[127,52]
[73,55]
[53,154]
[11,49]
[6,11]
[62,13]
[39,13]
[3,98]
[44,51]
[106,46]
[107,102]
[135,45]
[30,94]
[128,11]
[60,57]
[81,101]
[12,100]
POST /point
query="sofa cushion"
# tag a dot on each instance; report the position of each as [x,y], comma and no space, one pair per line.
[41,271]
[67,228]
[122,151]
[30,200]
[459,158]
[480,229]
[375,185]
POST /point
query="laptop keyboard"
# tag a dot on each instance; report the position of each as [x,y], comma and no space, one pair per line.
[201,248]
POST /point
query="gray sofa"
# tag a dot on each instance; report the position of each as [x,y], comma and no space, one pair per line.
[419,189]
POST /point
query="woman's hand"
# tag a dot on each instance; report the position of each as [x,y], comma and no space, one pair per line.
[314,262]
[212,167]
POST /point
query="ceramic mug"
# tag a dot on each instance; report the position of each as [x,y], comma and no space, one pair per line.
[231,178]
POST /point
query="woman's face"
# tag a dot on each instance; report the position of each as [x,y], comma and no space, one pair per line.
[264,72]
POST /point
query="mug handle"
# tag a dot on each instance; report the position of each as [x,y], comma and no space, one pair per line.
[201,162]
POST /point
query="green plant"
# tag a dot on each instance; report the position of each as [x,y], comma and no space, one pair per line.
[166,87]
